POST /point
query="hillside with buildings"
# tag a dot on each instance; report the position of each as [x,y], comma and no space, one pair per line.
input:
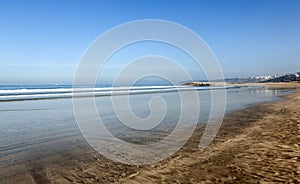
[289,77]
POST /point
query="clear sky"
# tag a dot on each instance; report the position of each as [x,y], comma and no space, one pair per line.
[42,41]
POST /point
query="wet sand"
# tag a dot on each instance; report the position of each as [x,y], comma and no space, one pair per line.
[260,143]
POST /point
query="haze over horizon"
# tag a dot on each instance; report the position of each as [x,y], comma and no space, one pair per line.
[42,42]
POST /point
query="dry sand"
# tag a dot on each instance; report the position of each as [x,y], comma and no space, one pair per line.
[272,85]
[257,144]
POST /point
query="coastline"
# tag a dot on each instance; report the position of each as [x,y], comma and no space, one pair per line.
[272,85]
[268,85]
[259,143]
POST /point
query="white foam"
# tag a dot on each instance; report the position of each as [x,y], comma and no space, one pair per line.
[31,94]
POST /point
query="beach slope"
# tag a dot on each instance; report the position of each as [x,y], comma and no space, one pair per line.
[260,143]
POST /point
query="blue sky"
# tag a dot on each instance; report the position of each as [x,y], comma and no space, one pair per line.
[42,41]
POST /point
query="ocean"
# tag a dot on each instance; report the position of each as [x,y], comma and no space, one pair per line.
[38,120]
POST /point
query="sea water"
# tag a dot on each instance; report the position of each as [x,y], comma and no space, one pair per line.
[39,119]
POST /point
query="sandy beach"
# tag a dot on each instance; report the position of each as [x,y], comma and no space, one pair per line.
[158,92]
[272,85]
[257,144]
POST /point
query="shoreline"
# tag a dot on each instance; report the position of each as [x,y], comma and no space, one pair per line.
[272,85]
[259,143]
[253,145]
[267,85]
